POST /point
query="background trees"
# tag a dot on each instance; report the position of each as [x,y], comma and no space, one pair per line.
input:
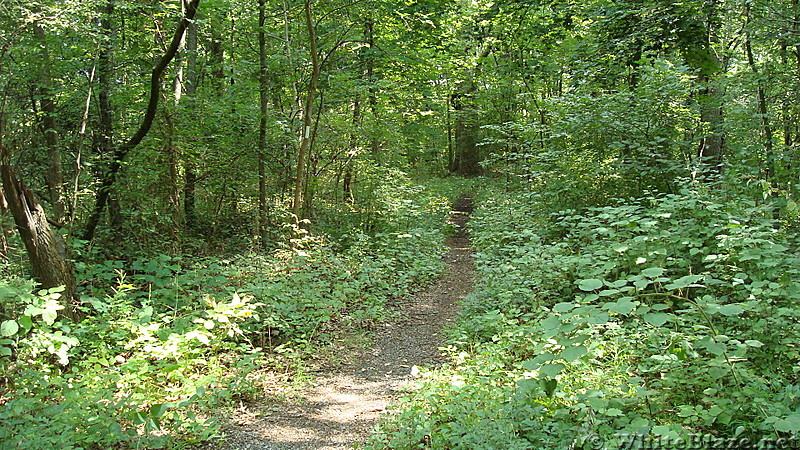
[263,101]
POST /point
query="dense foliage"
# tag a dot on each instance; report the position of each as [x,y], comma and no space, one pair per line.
[200,194]
[169,342]
[669,314]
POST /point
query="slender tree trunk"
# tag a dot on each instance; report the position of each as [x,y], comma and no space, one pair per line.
[786,118]
[372,100]
[189,193]
[766,126]
[465,133]
[263,99]
[308,110]
[449,124]
[711,145]
[184,217]
[110,176]
[701,57]
[466,129]
[366,64]
[347,189]
[79,151]
[47,124]
[172,153]
[104,136]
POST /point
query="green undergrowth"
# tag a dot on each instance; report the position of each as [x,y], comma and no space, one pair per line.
[665,317]
[169,342]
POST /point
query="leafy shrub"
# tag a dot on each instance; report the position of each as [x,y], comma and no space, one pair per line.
[666,315]
[167,340]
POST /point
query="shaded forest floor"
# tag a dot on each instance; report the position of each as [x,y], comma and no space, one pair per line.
[343,404]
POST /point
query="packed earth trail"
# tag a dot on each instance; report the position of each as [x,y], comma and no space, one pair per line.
[343,405]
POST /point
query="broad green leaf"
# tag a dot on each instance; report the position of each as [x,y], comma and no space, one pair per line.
[597,318]
[158,410]
[716,348]
[26,323]
[597,402]
[115,429]
[656,319]
[551,323]
[730,310]
[570,354]
[9,328]
[139,418]
[789,424]
[563,307]
[590,298]
[660,430]
[551,370]
[608,292]
[5,351]
[622,306]
[549,386]
[49,312]
[536,363]
[653,272]
[590,284]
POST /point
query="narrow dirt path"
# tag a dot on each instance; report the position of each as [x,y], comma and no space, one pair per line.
[342,407]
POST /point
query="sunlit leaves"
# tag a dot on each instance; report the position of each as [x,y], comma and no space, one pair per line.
[8,328]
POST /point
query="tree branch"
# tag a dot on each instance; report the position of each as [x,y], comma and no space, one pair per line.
[147,122]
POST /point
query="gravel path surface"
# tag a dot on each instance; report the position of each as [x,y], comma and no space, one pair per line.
[343,405]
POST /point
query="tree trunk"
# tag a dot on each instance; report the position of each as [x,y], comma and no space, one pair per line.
[467,128]
[766,126]
[263,99]
[45,248]
[449,124]
[104,141]
[189,169]
[189,195]
[369,62]
[47,124]
[701,56]
[347,189]
[465,133]
[308,110]
[122,150]
[172,154]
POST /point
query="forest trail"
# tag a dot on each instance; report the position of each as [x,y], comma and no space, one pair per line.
[343,405]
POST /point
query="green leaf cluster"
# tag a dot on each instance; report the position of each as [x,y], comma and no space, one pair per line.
[667,314]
